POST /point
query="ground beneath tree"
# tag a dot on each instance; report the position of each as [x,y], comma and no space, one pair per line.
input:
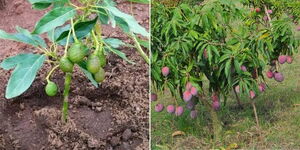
[113,116]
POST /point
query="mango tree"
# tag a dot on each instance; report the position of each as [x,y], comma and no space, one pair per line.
[227,44]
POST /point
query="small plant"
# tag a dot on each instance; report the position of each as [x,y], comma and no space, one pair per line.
[75,32]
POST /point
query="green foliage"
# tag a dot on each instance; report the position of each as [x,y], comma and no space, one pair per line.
[24,36]
[26,67]
[53,19]
[82,29]
[75,31]
[212,41]
[126,22]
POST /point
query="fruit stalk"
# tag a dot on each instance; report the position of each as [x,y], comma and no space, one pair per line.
[68,79]
[140,50]
[49,74]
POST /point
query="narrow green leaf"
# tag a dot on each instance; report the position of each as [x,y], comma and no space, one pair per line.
[227,67]
[26,67]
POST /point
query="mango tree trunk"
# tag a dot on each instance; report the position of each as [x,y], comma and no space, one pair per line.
[216,123]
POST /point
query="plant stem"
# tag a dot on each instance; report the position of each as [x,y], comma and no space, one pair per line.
[67,44]
[48,76]
[68,79]
[139,49]
[73,31]
[96,41]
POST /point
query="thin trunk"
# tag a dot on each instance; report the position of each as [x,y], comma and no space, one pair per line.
[238,99]
[255,113]
[216,123]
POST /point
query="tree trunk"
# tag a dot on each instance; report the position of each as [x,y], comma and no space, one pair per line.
[238,99]
[216,123]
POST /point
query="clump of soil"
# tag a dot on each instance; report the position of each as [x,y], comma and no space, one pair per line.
[113,116]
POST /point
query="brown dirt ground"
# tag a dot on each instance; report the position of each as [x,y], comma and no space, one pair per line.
[113,116]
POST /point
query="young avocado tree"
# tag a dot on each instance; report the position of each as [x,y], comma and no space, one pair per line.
[75,34]
[227,44]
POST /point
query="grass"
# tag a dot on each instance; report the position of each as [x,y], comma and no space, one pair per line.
[278,110]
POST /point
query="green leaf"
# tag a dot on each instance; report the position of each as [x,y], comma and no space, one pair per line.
[36,38]
[26,67]
[227,67]
[24,37]
[122,24]
[132,23]
[144,43]
[82,29]
[119,53]
[55,33]
[53,19]
[103,16]
[42,4]
[113,42]
[82,66]
[140,1]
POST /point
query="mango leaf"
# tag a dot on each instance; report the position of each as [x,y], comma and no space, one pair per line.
[82,29]
[123,17]
[83,68]
[54,18]
[26,67]
[25,37]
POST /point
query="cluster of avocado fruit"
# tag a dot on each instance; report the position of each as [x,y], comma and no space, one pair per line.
[76,53]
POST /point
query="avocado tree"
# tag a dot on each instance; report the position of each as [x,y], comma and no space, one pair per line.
[225,43]
[75,34]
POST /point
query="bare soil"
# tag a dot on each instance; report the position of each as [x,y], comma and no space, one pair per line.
[113,116]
